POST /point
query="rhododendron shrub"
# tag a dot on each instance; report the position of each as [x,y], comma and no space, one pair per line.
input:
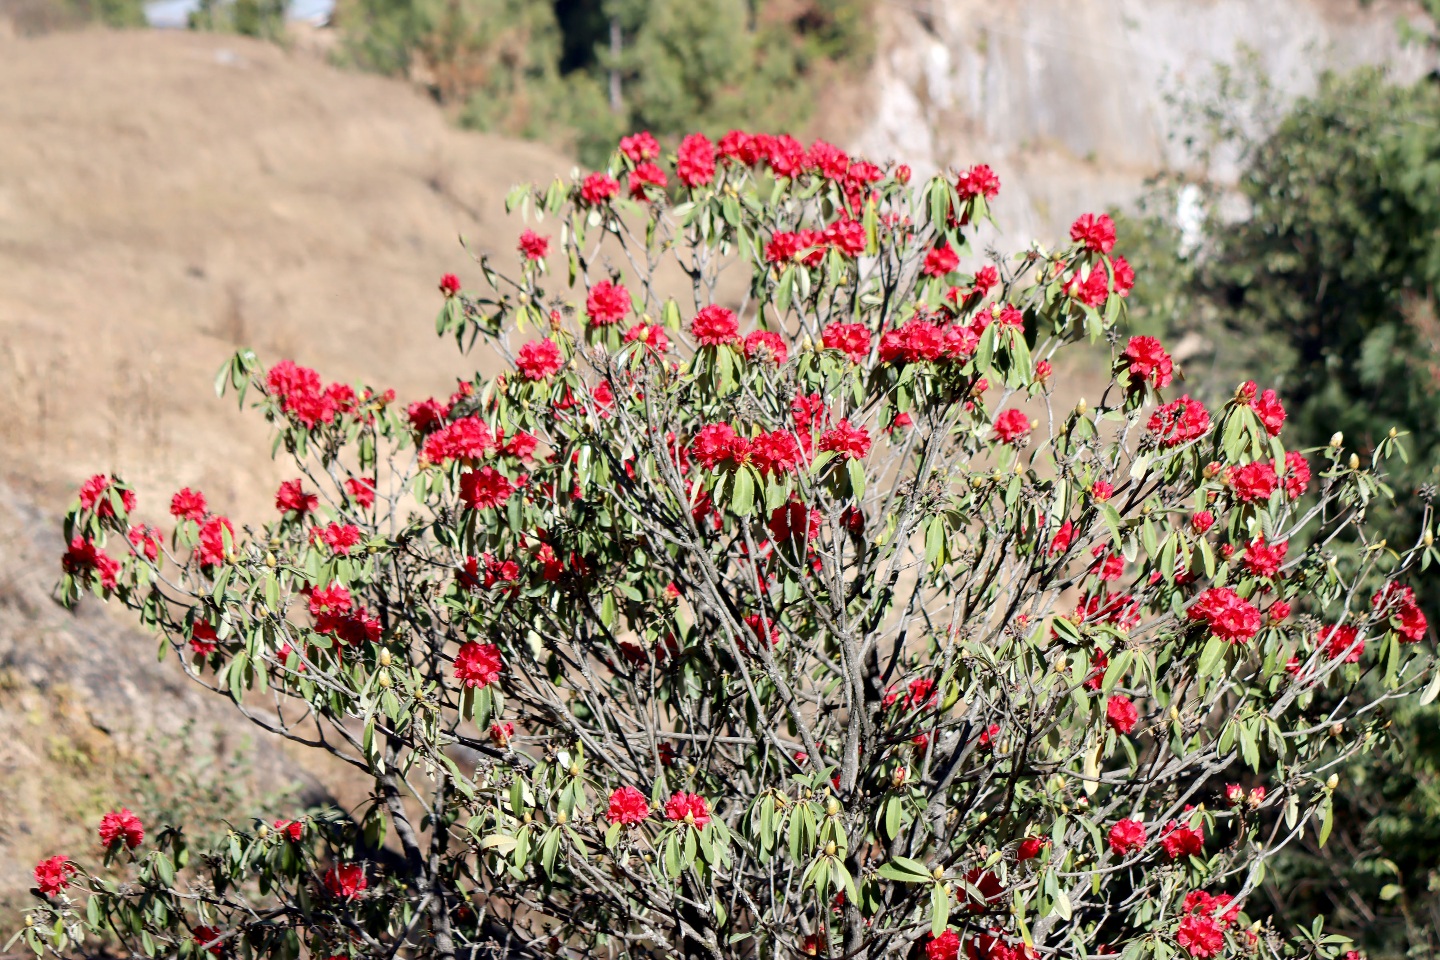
[809,618]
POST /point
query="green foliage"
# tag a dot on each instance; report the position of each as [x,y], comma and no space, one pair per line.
[580,75]
[263,19]
[1324,289]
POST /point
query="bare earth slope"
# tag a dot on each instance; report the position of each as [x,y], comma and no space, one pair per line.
[165,199]
[168,197]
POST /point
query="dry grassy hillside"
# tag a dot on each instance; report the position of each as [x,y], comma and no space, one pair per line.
[165,199]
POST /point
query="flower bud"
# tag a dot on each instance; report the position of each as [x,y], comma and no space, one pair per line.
[830,849]
[938,873]
[832,806]
[1393,433]
[1354,461]
[384,658]
[1256,798]
[561,816]
[1234,794]
[384,680]
[1081,407]
[574,769]
[897,779]
[1332,782]
[1336,439]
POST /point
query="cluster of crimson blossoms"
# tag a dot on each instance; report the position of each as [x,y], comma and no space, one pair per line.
[768,593]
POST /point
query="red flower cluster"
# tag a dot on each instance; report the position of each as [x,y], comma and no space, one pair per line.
[465,439]
[650,334]
[1179,422]
[1146,359]
[341,538]
[1126,836]
[292,498]
[1096,232]
[1338,640]
[1297,475]
[485,489]
[345,880]
[765,345]
[533,245]
[1267,407]
[940,261]
[1253,481]
[361,491]
[214,533]
[598,188]
[94,496]
[846,440]
[607,303]
[695,161]
[639,147]
[477,664]
[1182,840]
[689,807]
[54,875]
[1011,426]
[302,397]
[1121,714]
[121,826]
[1398,602]
[627,806]
[978,181]
[188,505]
[851,339]
[538,359]
[715,326]
[1263,559]
[203,638]
[83,557]
[1229,617]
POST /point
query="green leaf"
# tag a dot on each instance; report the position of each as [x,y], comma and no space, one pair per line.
[939,909]
[905,870]
[742,493]
[1211,656]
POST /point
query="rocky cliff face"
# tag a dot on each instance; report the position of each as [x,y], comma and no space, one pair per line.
[1075,103]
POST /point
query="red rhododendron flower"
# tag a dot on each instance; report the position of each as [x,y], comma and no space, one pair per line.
[644,177]
[188,505]
[1253,481]
[988,887]
[477,664]
[121,826]
[501,734]
[538,359]
[213,536]
[764,629]
[1127,836]
[627,805]
[607,303]
[1123,276]
[465,439]
[940,261]
[345,880]
[1263,559]
[533,245]
[944,947]
[986,279]
[695,160]
[1147,360]
[742,147]
[341,538]
[1200,936]
[1339,641]
[765,345]
[485,488]
[1102,491]
[1202,520]
[1030,848]
[427,415]
[1108,566]
[1182,841]
[1095,231]
[776,452]
[1011,426]
[1229,617]
[598,188]
[1297,475]
[847,236]
[690,807]
[1269,409]
[333,599]
[1062,539]
[203,638]
[145,540]
[846,440]
[1398,602]
[292,498]
[828,160]
[208,938]
[714,326]
[292,830]
[784,153]
[361,491]
[1277,612]
[978,181]
[785,247]
[717,443]
[790,522]
[851,339]
[54,875]
[1179,422]
[639,147]
[449,285]
[94,496]
[650,334]
[1121,714]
